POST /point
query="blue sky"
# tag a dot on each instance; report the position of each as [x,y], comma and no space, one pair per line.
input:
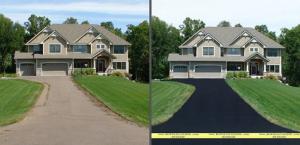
[120,12]
[276,14]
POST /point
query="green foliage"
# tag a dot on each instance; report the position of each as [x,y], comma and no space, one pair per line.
[190,27]
[230,75]
[10,75]
[70,20]
[271,77]
[237,75]
[224,24]
[165,40]
[85,22]
[34,25]
[83,71]
[138,36]
[238,25]
[291,57]
[264,29]
[117,74]
[110,26]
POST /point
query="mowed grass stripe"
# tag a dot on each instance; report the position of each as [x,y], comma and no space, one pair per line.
[278,103]
[167,98]
[16,98]
[127,98]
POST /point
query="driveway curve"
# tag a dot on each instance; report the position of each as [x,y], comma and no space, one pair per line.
[67,116]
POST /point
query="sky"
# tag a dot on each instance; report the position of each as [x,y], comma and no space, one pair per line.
[276,14]
[120,12]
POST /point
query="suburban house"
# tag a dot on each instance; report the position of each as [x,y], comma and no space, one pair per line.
[213,51]
[59,49]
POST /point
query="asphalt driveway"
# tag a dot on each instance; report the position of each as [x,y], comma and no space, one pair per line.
[64,115]
[215,107]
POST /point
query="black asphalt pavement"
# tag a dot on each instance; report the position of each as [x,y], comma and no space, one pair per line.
[215,107]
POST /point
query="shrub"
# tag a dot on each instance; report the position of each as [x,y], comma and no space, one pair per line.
[242,74]
[117,74]
[84,71]
[237,75]
[230,75]
[10,75]
[271,77]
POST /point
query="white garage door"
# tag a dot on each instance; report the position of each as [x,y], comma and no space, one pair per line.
[208,71]
[27,69]
[54,69]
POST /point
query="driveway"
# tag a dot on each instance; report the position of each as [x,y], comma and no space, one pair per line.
[215,107]
[66,116]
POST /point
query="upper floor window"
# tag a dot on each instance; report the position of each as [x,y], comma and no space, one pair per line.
[100,46]
[233,51]
[273,52]
[54,48]
[80,48]
[208,51]
[119,49]
[36,48]
[253,49]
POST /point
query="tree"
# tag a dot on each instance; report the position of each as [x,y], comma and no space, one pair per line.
[165,40]
[138,36]
[291,58]
[34,25]
[85,22]
[110,26]
[70,20]
[11,39]
[238,25]
[190,27]
[264,29]
[224,24]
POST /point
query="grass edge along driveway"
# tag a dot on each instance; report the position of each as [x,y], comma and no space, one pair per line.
[167,98]
[127,98]
[278,103]
[17,97]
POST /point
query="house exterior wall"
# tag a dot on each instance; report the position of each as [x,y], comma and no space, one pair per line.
[99,41]
[39,38]
[55,40]
[253,45]
[208,43]
[241,41]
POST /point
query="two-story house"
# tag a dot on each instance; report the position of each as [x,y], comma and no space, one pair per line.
[213,51]
[59,49]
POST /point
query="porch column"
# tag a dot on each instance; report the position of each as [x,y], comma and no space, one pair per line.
[265,67]
[247,66]
[94,63]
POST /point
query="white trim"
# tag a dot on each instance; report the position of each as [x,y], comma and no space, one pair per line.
[55,36]
[42,63]
[254,50]
[209,55]
[251,41]
[242,34]
[274,68]
[36,35]
[211,37]
[61,46]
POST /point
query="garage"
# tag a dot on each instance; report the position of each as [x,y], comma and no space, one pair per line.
[180,71]
[27,69]
[208,71]
[54,69]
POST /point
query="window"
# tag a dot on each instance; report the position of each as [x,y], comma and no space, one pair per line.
[180,68]
[253,49]
[100,46]
[54,48]
[273,52]
[80,48]
[119,49]
[208,51]
[36,48]
[273,68]
[119,65]
[234,67]
[233,51]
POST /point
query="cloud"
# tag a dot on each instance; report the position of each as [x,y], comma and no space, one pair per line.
[95,7]
[275,14]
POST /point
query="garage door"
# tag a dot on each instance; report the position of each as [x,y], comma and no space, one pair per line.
[27,69]
[54,69]
[208,71]
[179,71]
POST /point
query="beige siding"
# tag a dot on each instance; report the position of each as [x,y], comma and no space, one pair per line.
[55,40]
[208,43]
[100,41]
[39,38]
[253,45]
[86,38]
[241,41]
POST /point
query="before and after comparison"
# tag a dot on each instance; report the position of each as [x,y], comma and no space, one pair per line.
[149,72]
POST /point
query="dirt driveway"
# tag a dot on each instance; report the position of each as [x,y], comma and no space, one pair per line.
[67,116]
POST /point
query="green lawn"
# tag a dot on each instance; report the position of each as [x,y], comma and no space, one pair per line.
[278,103]
[128,99]
[167,98]
[16,98]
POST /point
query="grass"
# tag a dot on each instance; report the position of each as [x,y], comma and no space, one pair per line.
[167,98]
[12,75]
[126,98]
[16,98]
[278,103]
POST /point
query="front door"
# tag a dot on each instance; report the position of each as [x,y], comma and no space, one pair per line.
[254,68]
[100,65]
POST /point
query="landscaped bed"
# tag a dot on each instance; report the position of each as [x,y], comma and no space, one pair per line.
[277,102]
[167,98]
[127,98]
[16,98]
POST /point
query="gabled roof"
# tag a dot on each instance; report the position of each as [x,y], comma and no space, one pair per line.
[227,35]
[255,56]
[254,40]
[54,33]
[103,51]
[72,32]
